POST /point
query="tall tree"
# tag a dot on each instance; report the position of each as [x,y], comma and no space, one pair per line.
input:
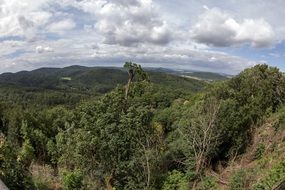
[134,70]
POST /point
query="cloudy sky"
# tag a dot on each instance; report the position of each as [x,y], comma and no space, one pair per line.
[221,36]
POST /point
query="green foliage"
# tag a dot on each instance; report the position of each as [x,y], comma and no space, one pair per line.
[278,119]
[26,154]
[112,137]
[52,152]
[13,172]
[244,101]
[175,180]
[272,178]
[234,127]
[73,181]
[241,103]
[195,138]
[240,180]
[162,136]
[259,151]
[42,184]
[40,129]
[136,70]
[253,83]
[46,88]
[207,183]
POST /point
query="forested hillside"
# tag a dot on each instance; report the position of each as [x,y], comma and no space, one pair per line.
[146,130]
[70,85]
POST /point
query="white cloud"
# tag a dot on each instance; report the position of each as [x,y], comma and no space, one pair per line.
[256,32]
[170,57]
[275,55]
[22,18]
[41,49]
[110,32]
[62,26]
[83,51]
[218,28]
[128,22]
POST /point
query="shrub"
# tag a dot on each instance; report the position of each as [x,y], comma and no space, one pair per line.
[259,151]
[273,177]
[208,183]
[175,180]
[42,184]
[240,180]
[13,172]
[73,181]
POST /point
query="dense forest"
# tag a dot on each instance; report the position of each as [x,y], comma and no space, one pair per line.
[70,85]
[81,128]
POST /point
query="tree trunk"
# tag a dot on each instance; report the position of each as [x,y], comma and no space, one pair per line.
[127,89]
[131,76]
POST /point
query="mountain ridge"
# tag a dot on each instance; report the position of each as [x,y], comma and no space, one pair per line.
[203,75]
[79,81]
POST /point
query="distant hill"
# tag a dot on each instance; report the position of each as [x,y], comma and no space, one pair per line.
[199,75]
[79,82]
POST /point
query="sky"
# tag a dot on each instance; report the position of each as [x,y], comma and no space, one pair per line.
[224,36]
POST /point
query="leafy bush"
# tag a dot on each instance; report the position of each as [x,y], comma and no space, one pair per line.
[273,177]
[244,103]
[14,172]
[240,180]
[73,181]
[208,183]
[259,151]
[175,180]
[279,118]
[42,184]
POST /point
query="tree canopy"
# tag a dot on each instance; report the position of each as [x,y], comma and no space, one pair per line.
[140,135]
